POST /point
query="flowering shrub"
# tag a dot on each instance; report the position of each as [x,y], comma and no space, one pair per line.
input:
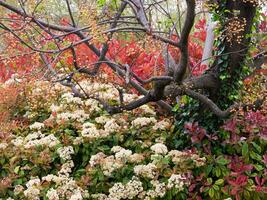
[63,147]
[70,148]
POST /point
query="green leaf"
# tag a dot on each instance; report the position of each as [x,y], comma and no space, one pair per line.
[222,161]
[245,149]
[211,192]
[258,167]
[255,156]
[18,181]
[216,187]
[208,169]
[16,170]
[219,182]
[176,108]
[217,171]
[209,180]
[257,147]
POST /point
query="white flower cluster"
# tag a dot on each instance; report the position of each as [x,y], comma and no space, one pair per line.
[65,152]
[102,119]
[35,139]
[37,126]
[66,188]
[159,148]
[126,155]
[147,110]
[148,171]
[108,164]
[143,121]
[177,181]
[111,126]
[112,162]
[55,108]
[136,158]
[102,90]
[158,191]
[49,140]
[77,140]
[93,105]
[52,194]
[18,189]
[179,157]
[66,168]
[3,145]
[119,191]
[97,159]
[77,115]
[18,141]
[90,131]
[32,192]
[69,98]
[123,154]
[128,191]
[162,125]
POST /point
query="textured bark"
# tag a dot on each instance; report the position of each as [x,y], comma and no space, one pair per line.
[236,51]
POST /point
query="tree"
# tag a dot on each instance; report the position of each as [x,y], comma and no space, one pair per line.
[95,24]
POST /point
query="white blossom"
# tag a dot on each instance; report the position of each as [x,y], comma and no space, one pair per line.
[149,170]
[159,148]
[111,126]
[3,145]
[123,154]
[143,121]
[18,141]
[176,181]
[32,193]
[65,152]
[162,125]
[37,126]
[52,194]
[102,119]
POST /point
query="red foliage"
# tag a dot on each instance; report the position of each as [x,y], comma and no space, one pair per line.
[238,166]
[143,61]
[197,133]
[260,184]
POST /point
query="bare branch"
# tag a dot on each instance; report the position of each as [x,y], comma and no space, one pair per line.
[183,43]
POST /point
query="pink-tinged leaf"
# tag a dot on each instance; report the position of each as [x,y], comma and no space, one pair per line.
[265,158]
[237,196]
[231,125]
[257,179]
[234,191]
[192,187]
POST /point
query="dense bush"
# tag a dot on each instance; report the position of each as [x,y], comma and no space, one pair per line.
[66,71]
[66,147]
